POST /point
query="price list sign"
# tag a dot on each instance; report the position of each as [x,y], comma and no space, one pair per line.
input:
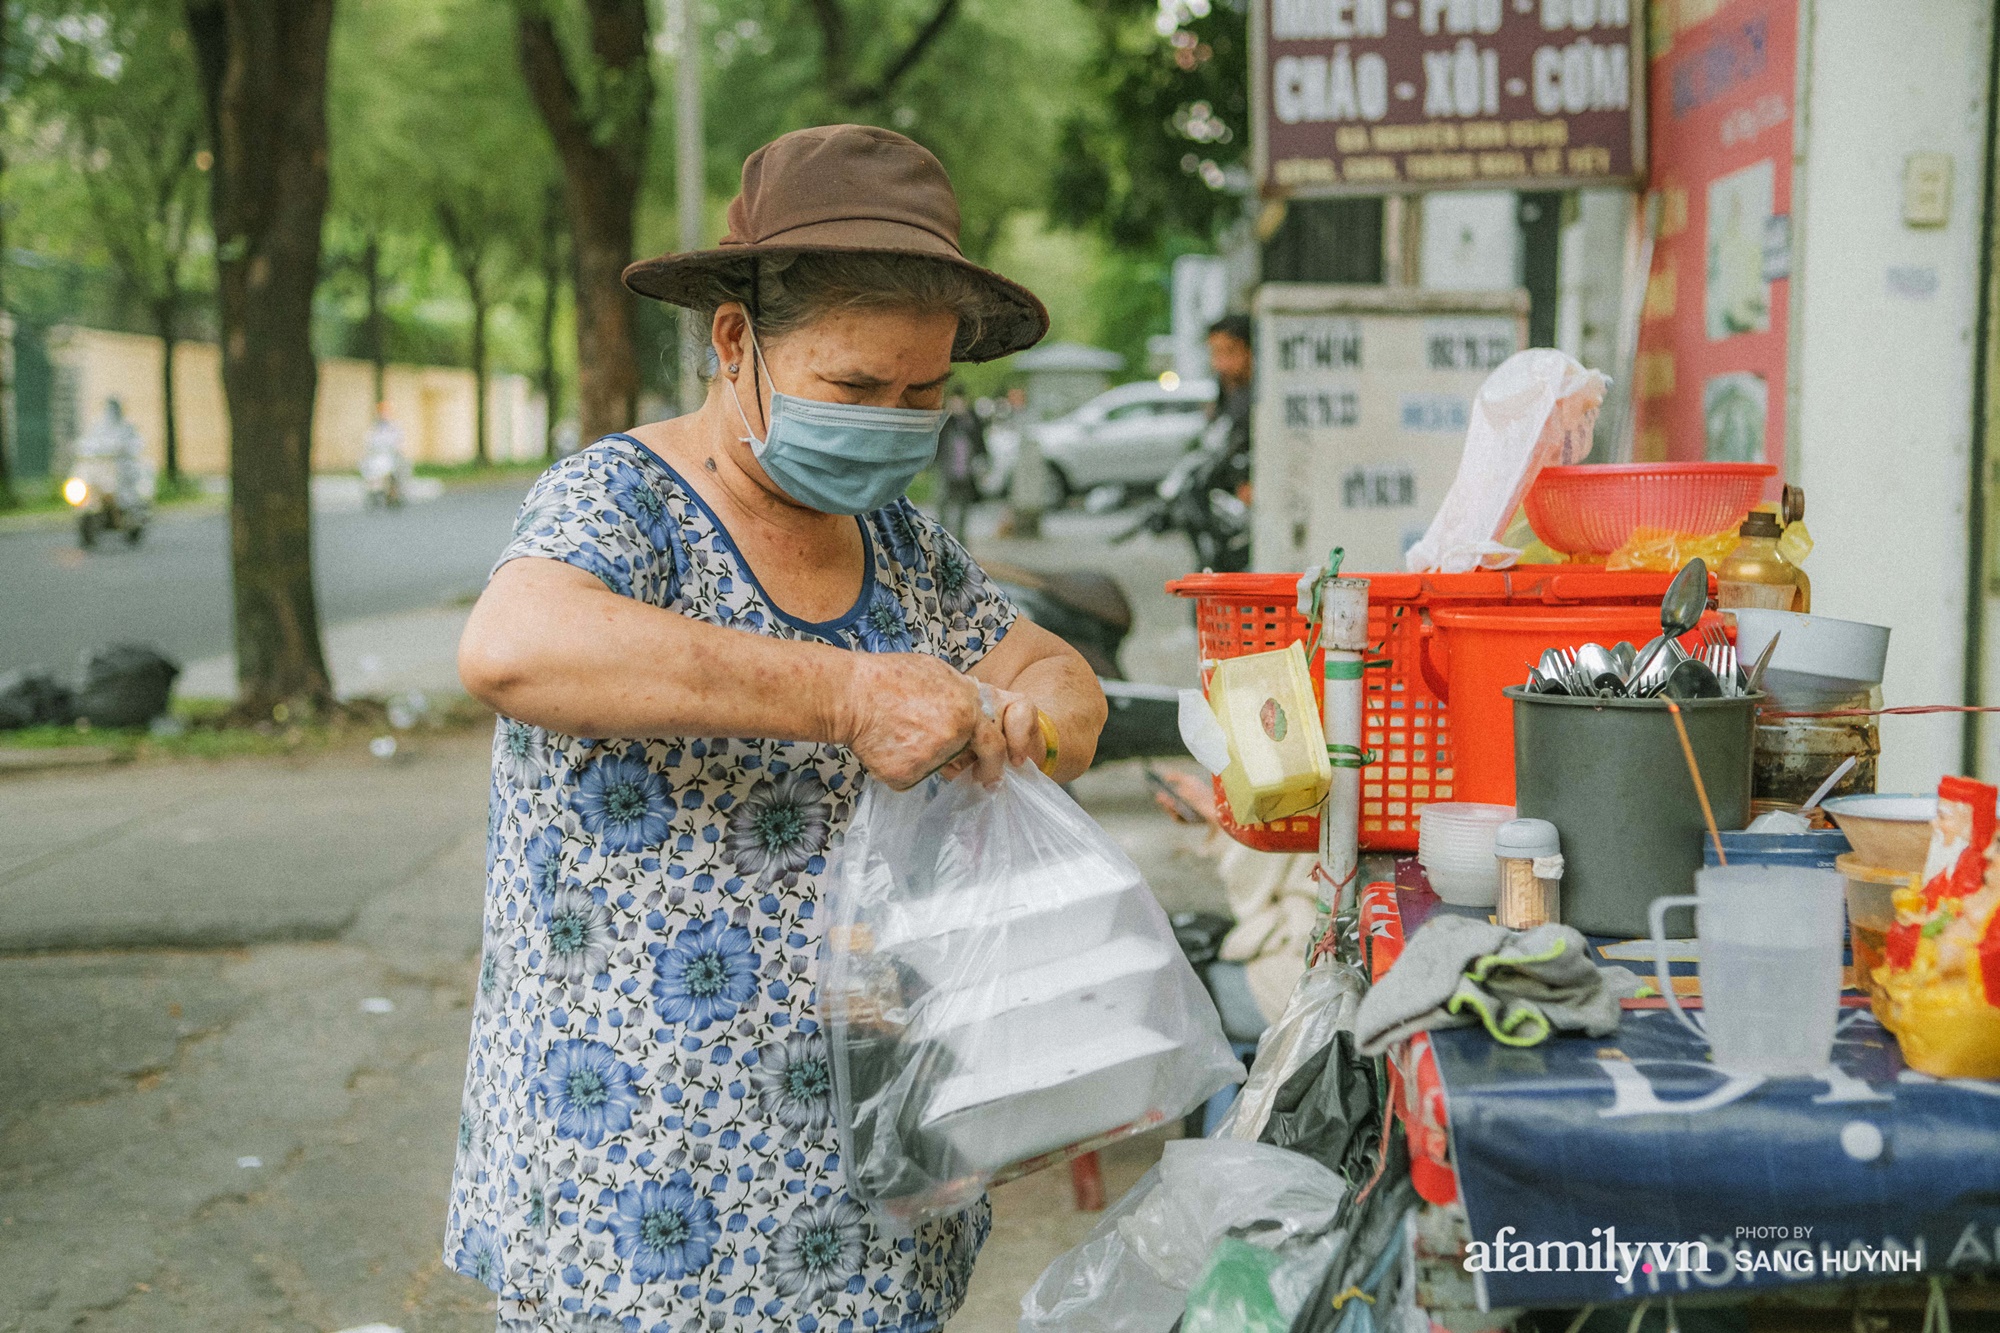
[1400,96]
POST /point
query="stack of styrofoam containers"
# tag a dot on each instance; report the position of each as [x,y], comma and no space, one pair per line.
[1041,990]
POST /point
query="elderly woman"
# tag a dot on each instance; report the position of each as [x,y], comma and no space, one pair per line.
[706,635]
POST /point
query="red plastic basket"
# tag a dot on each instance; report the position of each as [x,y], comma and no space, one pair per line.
[1593,509]
[1403,722]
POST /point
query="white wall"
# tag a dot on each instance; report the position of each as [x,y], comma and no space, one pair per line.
[1591,278]
[1470,241]
[1882,433]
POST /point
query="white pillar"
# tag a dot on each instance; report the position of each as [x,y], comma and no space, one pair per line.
[1883,338]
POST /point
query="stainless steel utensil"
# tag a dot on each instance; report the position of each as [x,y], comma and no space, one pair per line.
[1691,679]
[1681,609]
[1756,681]
[1599,669]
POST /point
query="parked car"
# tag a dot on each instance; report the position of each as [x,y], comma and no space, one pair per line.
[1130,436]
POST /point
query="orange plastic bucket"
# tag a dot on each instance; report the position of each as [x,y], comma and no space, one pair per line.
[1469,656]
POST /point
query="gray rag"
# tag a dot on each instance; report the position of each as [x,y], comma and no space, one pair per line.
[1522,984]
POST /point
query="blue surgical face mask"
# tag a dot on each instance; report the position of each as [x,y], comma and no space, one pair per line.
[840,458]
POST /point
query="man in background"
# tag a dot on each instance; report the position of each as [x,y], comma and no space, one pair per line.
[962,452]
[1235,365]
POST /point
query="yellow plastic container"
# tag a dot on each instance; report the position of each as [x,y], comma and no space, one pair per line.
[1277,745]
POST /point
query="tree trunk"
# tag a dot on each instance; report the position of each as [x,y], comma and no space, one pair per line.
[481,445]
[263,66]
[7,500]
[371,279]
[603,156]
[165,318]
[551,293]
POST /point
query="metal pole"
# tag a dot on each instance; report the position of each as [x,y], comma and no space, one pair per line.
[689,191]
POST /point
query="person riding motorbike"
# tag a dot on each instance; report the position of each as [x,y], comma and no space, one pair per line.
[111,485]
[385,471]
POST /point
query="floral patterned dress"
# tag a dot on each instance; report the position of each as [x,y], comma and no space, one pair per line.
[647,1140]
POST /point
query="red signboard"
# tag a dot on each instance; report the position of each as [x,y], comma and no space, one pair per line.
[1393,96]
[1710,377]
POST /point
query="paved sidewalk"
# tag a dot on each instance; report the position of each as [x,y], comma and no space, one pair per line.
[214,1131]
[210,1122]
[376,656]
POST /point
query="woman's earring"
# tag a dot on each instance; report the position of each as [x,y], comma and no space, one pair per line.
[734,367]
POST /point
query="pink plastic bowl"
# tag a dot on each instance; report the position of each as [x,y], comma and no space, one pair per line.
[1593,509]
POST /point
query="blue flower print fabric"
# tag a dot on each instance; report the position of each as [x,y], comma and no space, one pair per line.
[647,1138]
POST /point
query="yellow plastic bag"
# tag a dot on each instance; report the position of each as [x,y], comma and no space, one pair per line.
[1277,746]
[1666,551]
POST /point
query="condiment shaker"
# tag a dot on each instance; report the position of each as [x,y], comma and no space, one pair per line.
[1531,867]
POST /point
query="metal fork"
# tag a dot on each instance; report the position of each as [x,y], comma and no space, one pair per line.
[1721,659]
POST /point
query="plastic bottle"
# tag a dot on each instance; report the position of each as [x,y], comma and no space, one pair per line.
[1758,573]
[1531,870]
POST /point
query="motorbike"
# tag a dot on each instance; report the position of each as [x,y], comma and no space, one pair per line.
[1089,611]
[1198,499]
[384,477]
[109,494]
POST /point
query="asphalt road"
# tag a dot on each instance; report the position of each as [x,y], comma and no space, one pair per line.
[172,590]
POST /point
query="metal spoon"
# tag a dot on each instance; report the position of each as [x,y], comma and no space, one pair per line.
[1599,670]
[1681,609]
[1691,680]
[1626,657]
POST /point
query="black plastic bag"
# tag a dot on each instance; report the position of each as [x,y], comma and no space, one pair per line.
[1331,1110]
[34,698]
[125,685]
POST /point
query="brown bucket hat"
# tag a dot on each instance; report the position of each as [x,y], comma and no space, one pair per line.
[848,189]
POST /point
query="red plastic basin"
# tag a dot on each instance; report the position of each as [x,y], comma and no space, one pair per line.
[1593,509]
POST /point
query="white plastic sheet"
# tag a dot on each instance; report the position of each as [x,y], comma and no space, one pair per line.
[1535,410]
[1000,984]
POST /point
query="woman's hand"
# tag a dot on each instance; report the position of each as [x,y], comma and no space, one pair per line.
[908,715]
[1009,734]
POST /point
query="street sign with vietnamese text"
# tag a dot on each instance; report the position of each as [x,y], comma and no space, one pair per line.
[1400,96]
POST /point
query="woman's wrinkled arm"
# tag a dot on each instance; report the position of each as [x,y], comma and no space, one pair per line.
[550,645]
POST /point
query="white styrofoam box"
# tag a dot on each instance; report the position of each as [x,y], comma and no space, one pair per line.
[1019,1015]
[1087,1084]
[1012,922]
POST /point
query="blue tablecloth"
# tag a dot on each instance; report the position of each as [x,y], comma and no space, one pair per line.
[1638,1140]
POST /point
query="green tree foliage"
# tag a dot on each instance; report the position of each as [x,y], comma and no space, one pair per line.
[112,98]
[436,151]
[1158,145]
[981,83]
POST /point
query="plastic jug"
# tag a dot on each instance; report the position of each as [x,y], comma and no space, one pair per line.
[1277,745]
[1770,966]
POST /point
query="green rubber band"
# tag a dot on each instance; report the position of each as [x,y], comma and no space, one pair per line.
[1343,670]
[1349,756]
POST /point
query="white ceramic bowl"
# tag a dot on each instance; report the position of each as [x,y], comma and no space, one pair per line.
[1818,658]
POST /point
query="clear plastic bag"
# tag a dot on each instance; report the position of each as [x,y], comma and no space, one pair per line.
[999,985]
[1135,1270]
